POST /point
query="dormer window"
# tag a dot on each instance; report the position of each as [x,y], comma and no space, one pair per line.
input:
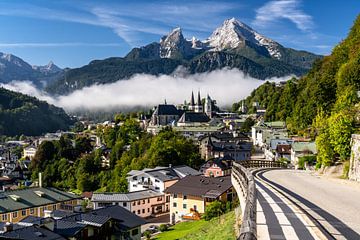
[15,197]
[39,193]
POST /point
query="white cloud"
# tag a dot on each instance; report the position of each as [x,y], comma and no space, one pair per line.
[226,86]
[276,10]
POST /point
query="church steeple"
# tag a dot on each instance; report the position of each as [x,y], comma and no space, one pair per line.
[199,99]
[192,100]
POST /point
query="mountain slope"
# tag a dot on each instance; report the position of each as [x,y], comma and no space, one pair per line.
[324,104]
[13,68]
[232,45]
[22,114]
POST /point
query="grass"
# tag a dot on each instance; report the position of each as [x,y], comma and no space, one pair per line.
[216,229]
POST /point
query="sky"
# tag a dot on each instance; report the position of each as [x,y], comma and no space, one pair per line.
[71,33]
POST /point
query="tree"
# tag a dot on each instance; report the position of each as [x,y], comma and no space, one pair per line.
[214,209]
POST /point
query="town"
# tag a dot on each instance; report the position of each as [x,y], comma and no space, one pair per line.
[171,194]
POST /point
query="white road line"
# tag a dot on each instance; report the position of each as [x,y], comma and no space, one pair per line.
[309,224]
[261,227]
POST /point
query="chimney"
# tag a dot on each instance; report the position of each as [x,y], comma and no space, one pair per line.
[8,227]
[40,179]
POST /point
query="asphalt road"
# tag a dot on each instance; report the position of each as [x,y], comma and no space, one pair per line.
[334,203]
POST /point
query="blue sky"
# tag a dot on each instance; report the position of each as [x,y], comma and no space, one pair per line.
[72,33]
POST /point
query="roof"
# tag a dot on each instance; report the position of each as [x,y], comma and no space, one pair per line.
[68,228]
[283,148]
[277,124]
[223,163]
[28,198]
[166,173]
[124,197]
[32,233]
[87,194]
[32,220]
[304,147]
[61,214]
[230,146]
[165,109]
[193,117]
[201,186]
[197,128]
[127,219]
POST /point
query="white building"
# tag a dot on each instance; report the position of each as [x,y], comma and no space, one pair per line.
[29,152]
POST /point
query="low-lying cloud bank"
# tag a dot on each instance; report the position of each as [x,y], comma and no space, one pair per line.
[226,86]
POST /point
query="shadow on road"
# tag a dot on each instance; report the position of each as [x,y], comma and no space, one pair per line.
[341,227]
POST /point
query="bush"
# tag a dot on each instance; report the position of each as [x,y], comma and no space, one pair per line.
[310,160]
[163,227]
[214,209]
[147,234]
[346,170]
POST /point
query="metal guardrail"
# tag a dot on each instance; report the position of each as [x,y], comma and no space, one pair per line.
[244,182]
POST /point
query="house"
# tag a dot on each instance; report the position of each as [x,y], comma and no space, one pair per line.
[190,195]
[260,132]
[18,204]
[194,132]
[300,149]
[29,152]
[270,149]
[144,203]
[112,222]
[239,150]
[157,179]
[217,167]
[283,151]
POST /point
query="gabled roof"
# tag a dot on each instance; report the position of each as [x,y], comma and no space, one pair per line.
[127,219]
[165,109]
[30,197]
[194,117]
[32,233]
[201,186]
[304,147]
[68,228]
[223,163]
[124,197]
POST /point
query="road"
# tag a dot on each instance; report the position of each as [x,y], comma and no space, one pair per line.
[332,203]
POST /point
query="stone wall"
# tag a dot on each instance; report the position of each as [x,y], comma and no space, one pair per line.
[354,171]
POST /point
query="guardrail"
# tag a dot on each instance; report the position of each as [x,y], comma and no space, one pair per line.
[244,184]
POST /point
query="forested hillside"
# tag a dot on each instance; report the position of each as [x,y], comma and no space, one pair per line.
[22,114]
[324,103]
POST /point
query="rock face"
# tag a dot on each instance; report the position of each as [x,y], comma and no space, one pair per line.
[232,45]
[354,170]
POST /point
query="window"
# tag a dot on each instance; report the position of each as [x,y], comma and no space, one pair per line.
[134,203]
[159,199]
[23,212]
[139,211]
[195,207]
[133,212]
[157,180]
[54,207]
[135,232]
[14,215]
[148,209]
[143,211]
[32,211]
[138,202]
[148,200]
[175,195]
[174,204]
[184,197]
[124,204]
[143,201]
[184,206]
[4,217]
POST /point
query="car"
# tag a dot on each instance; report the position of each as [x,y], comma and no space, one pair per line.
[152,228]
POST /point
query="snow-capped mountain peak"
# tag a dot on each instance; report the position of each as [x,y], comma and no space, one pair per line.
[49,68]
[233,34]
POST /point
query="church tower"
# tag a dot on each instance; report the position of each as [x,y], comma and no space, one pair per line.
[208,106]
[192,102]
[199,106]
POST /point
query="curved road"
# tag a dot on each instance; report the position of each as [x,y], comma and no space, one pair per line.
[333,203]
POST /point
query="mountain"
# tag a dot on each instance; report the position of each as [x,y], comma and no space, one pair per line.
[14,68]
[22,114]
[233,45]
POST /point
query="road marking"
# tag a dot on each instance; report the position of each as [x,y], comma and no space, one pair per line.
[283,219]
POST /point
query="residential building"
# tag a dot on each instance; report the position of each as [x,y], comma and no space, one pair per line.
[143,203]
[217,167]
[29,152]
[283,151]
[18,204]
[157,179]
[300,149]
[262,131]
[190,195]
